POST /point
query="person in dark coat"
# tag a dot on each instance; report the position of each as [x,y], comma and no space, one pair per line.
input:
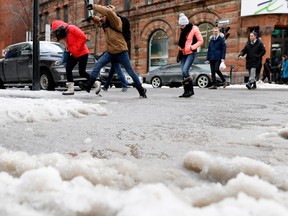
[267,70]
[254,51]
[215,55]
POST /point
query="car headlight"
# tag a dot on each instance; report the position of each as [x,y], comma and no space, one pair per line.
[57,63]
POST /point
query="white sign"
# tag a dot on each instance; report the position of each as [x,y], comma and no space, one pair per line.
[223,21]
[257,7]
[47,32]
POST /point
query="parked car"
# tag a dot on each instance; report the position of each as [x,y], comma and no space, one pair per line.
[171,75]
[16,66]
[115,79]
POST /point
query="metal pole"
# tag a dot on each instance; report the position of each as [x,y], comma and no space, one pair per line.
[36,69]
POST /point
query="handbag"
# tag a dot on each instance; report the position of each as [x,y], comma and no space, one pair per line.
[179,56]
[65,56]
[222,66]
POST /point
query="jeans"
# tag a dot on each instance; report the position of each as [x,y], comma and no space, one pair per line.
[116,67]
[186,62]
[121,58]
[71,63]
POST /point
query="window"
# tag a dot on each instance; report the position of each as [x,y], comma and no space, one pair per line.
[58,13]
[126,5]
[65,13]
[45,18]
[149,2]
[40,23]
[107,2]
[13,52]
[206,30]
[158,49]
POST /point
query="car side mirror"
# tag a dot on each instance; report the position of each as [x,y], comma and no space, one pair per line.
[26,52]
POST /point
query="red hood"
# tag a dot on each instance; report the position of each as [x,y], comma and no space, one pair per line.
[57,23]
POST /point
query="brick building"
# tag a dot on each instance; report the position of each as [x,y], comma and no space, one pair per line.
[155,28]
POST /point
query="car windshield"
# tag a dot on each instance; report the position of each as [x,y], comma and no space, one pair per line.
[51,48]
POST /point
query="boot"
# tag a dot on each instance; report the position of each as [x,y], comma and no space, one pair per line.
[213,87]
[248,85]
[254,86]
[142,91]
[70,89]
[87,86]
[188,89]
[97,86]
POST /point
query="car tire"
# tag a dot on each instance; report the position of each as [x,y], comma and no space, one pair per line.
[46,81]
[203,81]
[2,85]
[156,82]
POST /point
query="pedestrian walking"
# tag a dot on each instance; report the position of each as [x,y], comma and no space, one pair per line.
[77,51]
[267,70]
[117,49]
[216,55]
[189,41]
[254,51]
[285,69]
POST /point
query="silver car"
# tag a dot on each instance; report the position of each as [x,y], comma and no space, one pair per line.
[171,75]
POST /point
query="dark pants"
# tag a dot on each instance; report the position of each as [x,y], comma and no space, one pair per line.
[214,66]
[71,63]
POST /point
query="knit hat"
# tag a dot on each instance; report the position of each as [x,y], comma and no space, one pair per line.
[183,20]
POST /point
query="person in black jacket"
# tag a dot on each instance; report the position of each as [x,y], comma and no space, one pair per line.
[215,55]
[254,51]
[267,69]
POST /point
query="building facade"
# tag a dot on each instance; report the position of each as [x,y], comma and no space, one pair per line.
[155,30]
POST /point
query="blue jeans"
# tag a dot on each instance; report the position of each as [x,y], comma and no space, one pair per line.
[121,58]
[116,67]
[186,62]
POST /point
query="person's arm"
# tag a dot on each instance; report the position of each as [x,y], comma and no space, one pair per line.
[199,38]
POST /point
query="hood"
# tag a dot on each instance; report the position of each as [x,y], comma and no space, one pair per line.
[57,23]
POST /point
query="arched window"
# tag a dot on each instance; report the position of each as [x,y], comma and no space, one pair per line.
[158,49]
[206,30]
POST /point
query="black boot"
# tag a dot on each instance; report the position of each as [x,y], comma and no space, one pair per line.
[254,86]
[88,85]
[248,85]
[188,89]
[142,91]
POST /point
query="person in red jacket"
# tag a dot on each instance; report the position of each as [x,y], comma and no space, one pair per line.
[75,42]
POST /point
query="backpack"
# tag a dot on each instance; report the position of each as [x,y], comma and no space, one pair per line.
[125,28]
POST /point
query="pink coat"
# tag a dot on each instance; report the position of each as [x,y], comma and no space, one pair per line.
[189,48]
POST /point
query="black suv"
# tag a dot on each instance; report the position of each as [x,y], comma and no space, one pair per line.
[16,67]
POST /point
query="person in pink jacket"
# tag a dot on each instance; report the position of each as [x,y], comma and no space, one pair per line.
[190,40]
[75,42]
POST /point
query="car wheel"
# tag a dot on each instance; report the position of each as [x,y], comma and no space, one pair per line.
[203,81]
[2,85]
[156,82]
[46,81]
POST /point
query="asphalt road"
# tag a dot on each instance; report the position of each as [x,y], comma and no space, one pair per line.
[161,129]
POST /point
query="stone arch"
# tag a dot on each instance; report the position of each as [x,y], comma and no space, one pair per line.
[146,33]
[204,16]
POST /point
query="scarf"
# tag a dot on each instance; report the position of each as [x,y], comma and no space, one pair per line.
[183,35]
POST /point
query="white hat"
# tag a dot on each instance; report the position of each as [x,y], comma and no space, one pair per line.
[183,20]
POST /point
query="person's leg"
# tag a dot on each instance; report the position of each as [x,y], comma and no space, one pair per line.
[82,66]
[213,69]
[109,78]
[123,59]
[251,80]
[121,75]
[186,63]
[102,61]
[70,64]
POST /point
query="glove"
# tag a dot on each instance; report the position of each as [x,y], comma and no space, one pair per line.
[89,19]
[90,7]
